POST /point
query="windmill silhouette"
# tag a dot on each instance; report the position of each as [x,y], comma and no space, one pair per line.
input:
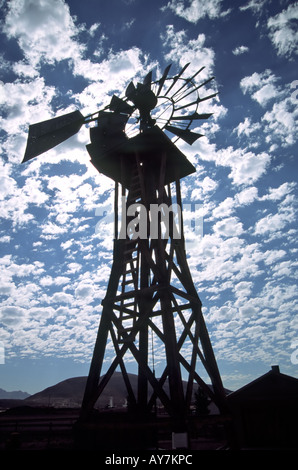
[151,309]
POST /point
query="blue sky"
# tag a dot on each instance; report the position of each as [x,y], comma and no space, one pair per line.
[55,251]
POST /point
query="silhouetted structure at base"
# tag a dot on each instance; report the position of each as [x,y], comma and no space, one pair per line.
[265,412]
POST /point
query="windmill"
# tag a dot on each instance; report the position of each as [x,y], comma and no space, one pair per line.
[151,302]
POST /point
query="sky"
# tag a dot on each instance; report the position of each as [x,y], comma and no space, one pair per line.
[58,56]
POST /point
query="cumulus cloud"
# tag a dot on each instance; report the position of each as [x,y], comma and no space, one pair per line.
[247,196]
[62,297]
[281,123]
[194,10]
[7,186]
[228,227]
[247,128]
[274,194]
[225,208]
[84,290]
[24,102]
[255,5]
[246,167]
[271,223]
[12,316]
[183,51]
[240,50]
[282,31]
[261,86]
[45,31]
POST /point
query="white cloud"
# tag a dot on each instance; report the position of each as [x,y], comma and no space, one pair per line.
[274,223]
[45,30]
[57,281]
[61,297]
[225,208]
[247,127]
[265,94]
[228,227]
[5,239]
[208,184]
[47,33]
[84,290]
[246,167]
[197,9]
[73,268]
[243,288]
[50,228]
[24,102]
[7,186]
[11,268]
[283,32]
[185,51]
[271,256]
[247,196]
[261,86]
[130,62]
[12,316]
[254,5]
[240,50]
[281,123]
[24,70]
[280,192]
[214,257]
[270,223]
[93,28]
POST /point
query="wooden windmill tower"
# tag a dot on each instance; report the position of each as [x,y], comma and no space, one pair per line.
[150,298]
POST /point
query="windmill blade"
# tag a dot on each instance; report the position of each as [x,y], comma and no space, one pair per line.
[130,91]
[197,101]
[193,89]
[191,117]
[186,83]
[120,106]
[46,135]
[147,80]
[185,134]
[177,77]
[208,97]
[163,79]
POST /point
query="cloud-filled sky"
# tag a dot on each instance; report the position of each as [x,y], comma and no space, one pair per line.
[55,248]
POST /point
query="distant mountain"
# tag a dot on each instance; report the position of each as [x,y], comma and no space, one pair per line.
[17,395]
[69,393]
